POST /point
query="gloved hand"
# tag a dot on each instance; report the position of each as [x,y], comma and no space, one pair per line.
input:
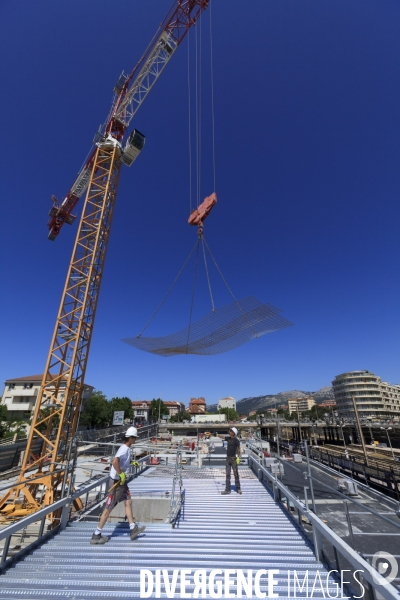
[238,460]
[122,477]
[135,463]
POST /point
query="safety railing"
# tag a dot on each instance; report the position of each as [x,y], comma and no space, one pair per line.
[176,496]
[382,477]
[328,546]
[61,514]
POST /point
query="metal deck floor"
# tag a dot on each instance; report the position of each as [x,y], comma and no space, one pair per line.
[214,532]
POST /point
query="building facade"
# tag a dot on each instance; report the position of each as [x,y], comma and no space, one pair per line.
[227,402]
[375,399]
[197,406]
[141,409]
[300,404]
[20,395]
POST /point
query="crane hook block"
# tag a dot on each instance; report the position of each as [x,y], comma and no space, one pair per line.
[200,213]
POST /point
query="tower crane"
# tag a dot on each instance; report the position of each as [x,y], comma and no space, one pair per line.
[43,478]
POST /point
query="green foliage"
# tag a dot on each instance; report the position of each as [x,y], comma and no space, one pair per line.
[316,412]
[54,421]
[252,418]
[230,413]
[157,407]
[8,429]
[179,417]
[124,404]
[96,411]
[3,412]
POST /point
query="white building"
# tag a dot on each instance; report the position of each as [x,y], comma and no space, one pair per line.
[227,402]
[20,395]
[375,399]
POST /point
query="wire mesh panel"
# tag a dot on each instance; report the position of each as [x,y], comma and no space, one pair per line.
[222,330]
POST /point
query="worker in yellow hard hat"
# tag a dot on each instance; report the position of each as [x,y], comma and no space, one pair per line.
[119,493]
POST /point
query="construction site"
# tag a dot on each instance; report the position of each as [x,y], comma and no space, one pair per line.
[304,513]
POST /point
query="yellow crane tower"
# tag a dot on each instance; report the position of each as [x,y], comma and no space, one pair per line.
[43,478]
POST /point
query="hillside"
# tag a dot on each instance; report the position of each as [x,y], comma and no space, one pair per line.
[245,405]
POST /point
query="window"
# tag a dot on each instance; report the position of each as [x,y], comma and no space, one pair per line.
[11,386]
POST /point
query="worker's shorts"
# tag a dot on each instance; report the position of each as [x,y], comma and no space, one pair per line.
[118,494]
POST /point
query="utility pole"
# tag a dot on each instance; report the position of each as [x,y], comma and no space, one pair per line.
[298,421]
[360,431]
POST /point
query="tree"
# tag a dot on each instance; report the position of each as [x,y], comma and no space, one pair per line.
[157,407]
[231,414]
[124,404]
[54,422]
[4,426]
[96,411]
[3,413]
[179,417]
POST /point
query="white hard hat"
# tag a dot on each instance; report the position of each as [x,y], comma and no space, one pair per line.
[131,432]
[234,430]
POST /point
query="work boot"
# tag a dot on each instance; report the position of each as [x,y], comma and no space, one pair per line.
[239,491]
[99,539]
[225,492]
[136,531]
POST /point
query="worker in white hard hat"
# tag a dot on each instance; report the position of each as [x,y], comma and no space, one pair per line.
[119,492]
[232,461]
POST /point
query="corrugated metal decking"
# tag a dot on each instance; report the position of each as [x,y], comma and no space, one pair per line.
[215,532]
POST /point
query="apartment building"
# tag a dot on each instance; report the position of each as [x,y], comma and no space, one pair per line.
[197,406]
[376,399]
[228,402]
[141,409]
[20,395]
[300,404]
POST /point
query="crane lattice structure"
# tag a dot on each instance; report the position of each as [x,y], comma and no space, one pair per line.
[59,399]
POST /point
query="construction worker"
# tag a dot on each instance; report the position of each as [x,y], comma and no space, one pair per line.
[232,461]
[119,492]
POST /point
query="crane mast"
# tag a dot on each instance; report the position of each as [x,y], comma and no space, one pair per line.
[43,478]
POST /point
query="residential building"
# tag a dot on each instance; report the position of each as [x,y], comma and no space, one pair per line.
[20,395]
[375,399]
[300,404]
[227,402]
[175,407]
[328,404]
[141,409]
[197,406]
[252,412]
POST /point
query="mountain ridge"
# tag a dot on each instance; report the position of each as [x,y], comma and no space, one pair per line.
[245,405]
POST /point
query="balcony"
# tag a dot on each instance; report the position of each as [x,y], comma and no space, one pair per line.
[19,406]
[23,392]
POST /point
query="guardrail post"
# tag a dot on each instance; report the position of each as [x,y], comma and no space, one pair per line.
[64,516]
[317,538]
[42,523]
[5,549]
[310,476]
[346,508]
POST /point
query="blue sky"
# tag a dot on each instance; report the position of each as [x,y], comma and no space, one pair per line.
[307,168]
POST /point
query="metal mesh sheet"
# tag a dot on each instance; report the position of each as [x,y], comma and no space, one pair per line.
[220,331]
[196,473]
